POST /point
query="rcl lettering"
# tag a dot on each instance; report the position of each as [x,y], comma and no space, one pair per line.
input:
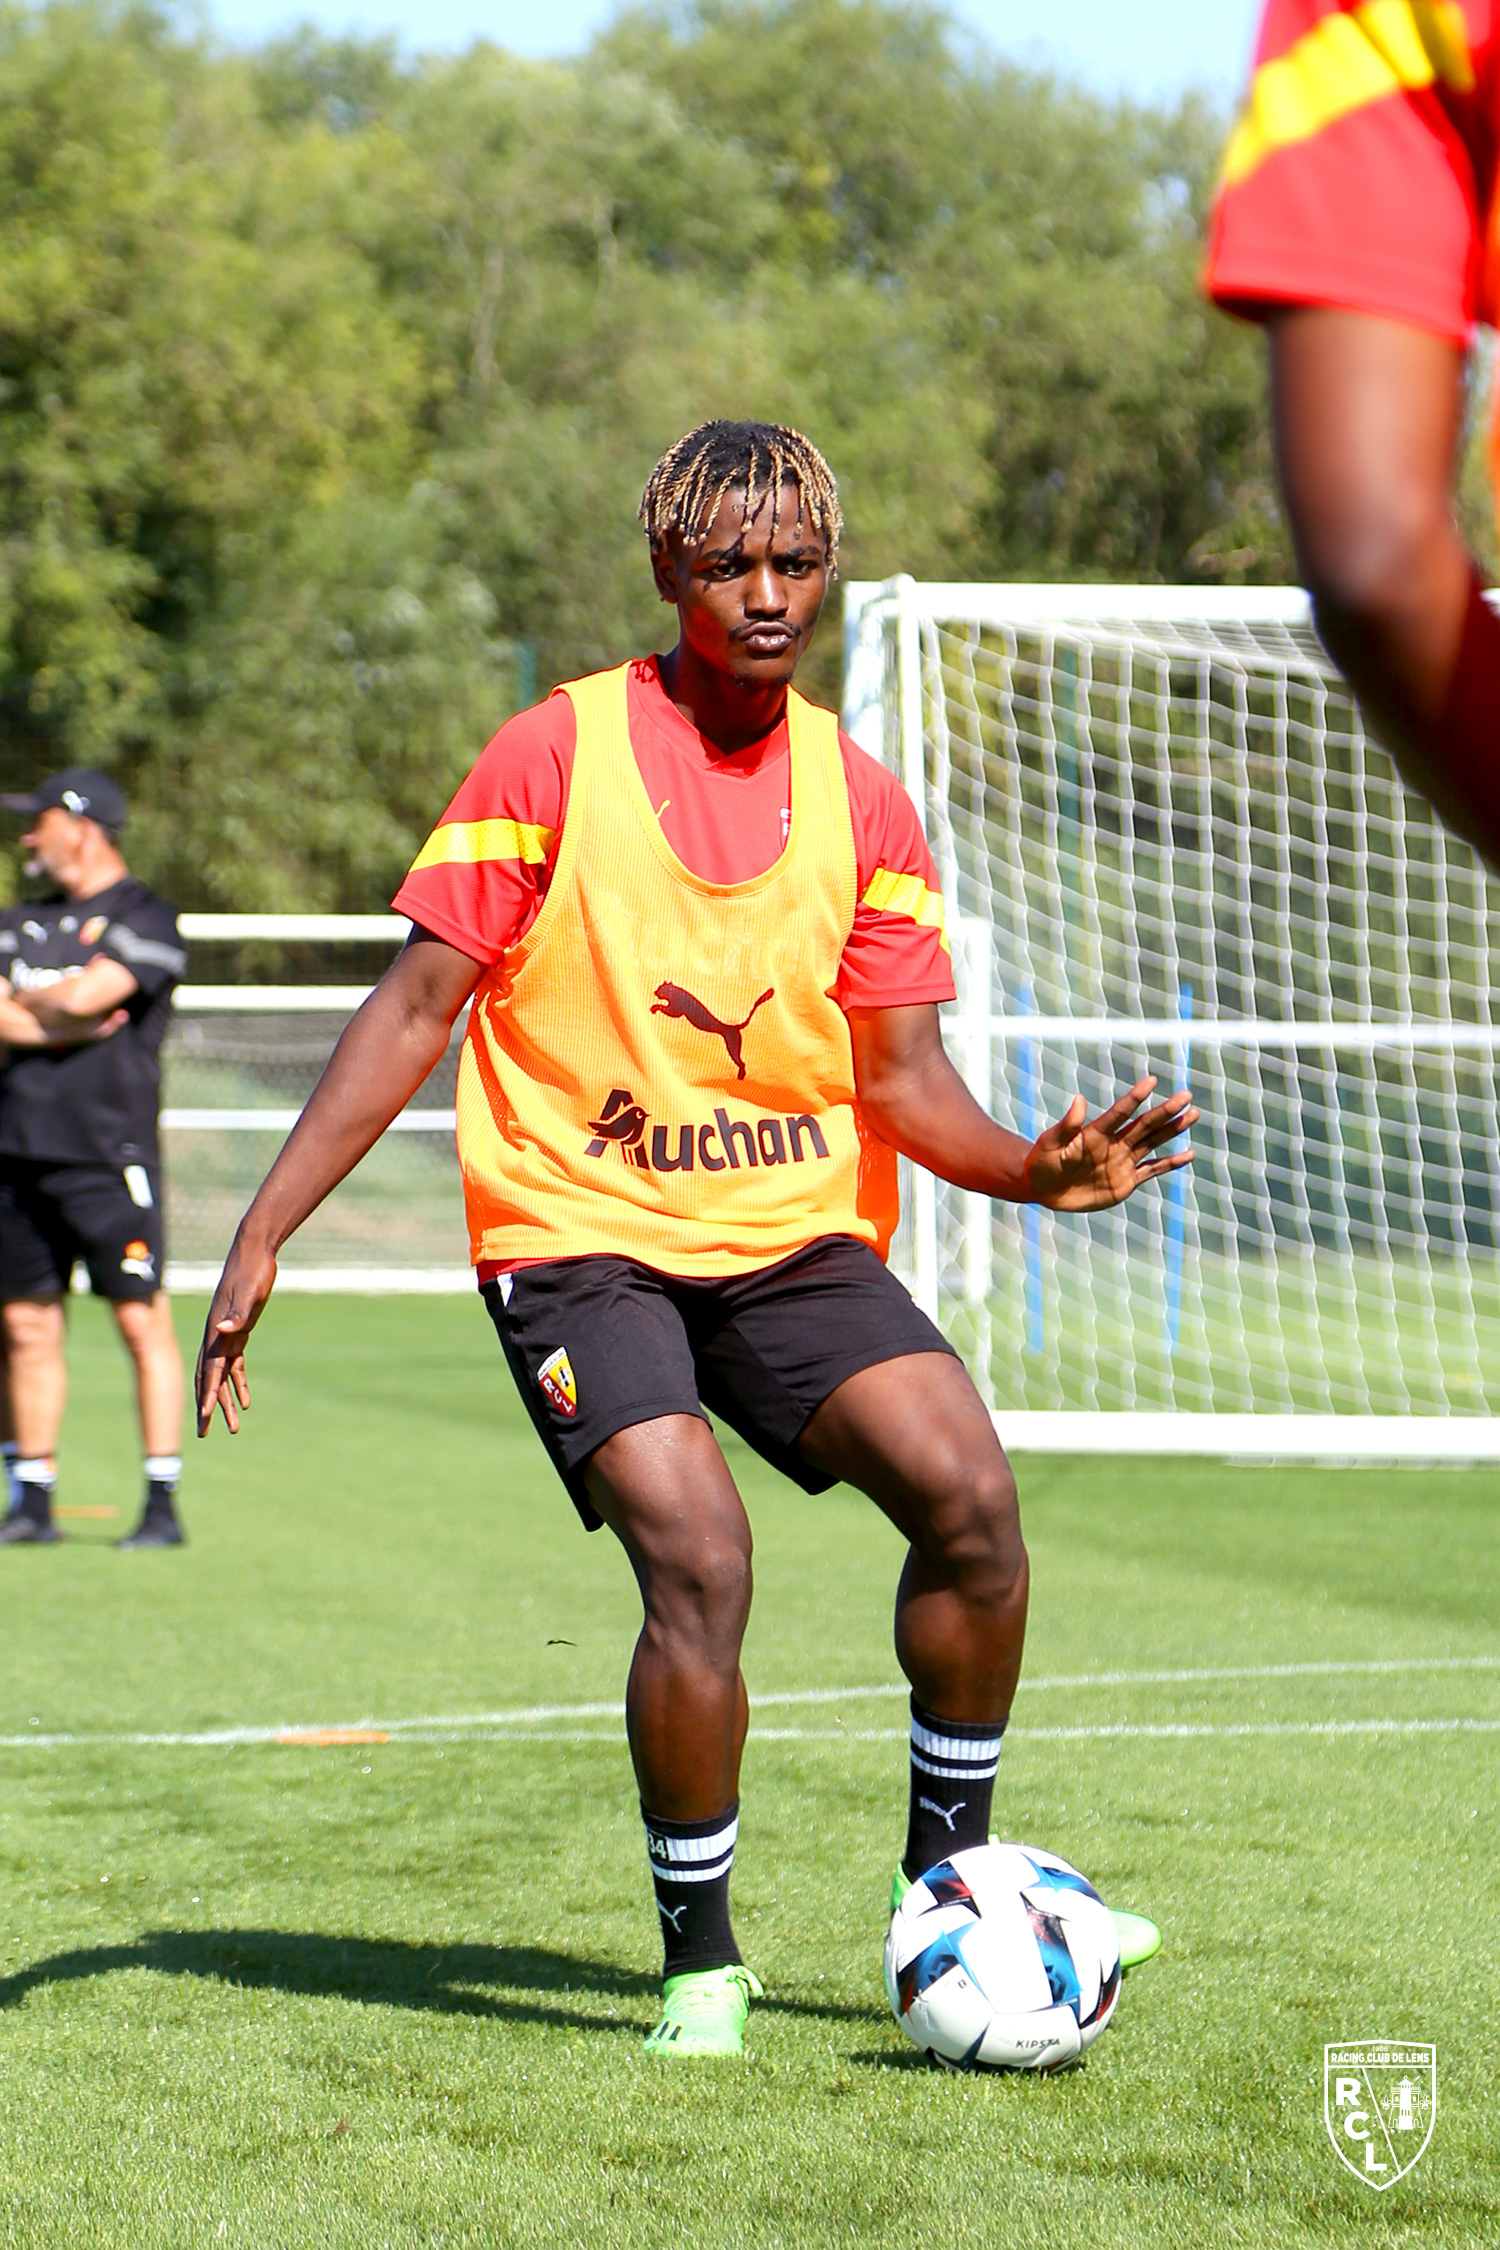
[1356,2125]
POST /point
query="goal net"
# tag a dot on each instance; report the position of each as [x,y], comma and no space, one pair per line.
[1165,842]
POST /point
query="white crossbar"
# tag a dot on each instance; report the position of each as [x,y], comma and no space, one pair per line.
[1083,605]
[1357,1038]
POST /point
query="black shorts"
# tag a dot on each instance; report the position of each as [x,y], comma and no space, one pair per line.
[53,1215]
[599,1344]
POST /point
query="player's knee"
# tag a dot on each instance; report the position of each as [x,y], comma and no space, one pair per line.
[145,1324]
[135,1324]
[33,1324]
[976,1526]
[702,1592]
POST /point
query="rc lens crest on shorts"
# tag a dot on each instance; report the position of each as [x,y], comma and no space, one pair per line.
[139,1261]
[555,1375]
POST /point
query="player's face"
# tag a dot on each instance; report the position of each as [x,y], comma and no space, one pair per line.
[747,595]
[55,841]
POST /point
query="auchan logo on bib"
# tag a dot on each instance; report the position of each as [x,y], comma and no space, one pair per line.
[727,1144]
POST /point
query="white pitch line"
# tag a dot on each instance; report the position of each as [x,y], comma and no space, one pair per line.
[1107,1733]
[369,1738]
[1128,1731]
[453,1727]
[780,1698]
[1273,1671]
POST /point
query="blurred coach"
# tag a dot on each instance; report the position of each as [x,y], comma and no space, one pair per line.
[85,998]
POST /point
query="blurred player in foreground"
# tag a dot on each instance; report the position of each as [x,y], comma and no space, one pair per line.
[1357,218]
[704,940]
[85,999]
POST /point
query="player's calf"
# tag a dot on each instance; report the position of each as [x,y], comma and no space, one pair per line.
[665,1491]
[961,1603]
[960,1628]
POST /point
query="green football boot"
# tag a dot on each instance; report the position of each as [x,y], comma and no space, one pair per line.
[1138,1938]
[703,2012]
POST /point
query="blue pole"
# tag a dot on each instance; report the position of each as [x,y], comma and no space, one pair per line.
[1030,1102]
[1177,1189]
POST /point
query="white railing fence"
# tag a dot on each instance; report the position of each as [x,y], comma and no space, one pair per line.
[240,1060]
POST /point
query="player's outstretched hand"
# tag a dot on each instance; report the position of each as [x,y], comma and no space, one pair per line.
[244,1289]
[1089,1164]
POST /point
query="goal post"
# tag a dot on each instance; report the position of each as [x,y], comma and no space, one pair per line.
[1165,842]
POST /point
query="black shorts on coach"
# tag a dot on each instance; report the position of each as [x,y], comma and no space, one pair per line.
[54,1216]
[597,1344]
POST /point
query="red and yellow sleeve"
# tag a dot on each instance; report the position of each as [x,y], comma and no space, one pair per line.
[479,880]
[897,953]
[1359,172]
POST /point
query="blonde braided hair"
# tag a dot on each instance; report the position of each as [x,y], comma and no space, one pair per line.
[684,491]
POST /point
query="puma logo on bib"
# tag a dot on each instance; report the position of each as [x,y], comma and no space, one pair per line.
[676,1000]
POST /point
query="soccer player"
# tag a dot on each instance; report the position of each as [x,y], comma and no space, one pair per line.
[703,940]
[1357,219]
[85,1000]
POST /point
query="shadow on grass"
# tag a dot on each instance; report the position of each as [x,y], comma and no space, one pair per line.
[504,1982]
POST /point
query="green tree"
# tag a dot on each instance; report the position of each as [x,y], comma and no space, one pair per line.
[328,379]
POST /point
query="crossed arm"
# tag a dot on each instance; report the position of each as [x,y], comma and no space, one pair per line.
[65,1014]
[908,1088]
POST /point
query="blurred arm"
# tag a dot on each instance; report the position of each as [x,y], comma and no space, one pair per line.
[1369,415]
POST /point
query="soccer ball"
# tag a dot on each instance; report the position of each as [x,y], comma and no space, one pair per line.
[1002,1958]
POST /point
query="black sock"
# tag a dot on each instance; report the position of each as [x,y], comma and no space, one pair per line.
[691,1862]
[162,1473]
[35,1480]
[953,1766]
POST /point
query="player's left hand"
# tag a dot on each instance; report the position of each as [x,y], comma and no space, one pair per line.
[1089,1164]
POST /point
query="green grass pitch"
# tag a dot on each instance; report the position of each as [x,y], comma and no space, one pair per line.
[392,1993]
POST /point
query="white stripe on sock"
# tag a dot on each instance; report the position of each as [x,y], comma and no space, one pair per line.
[956,1749]
[985,1772]
[690,1851]
[693,1874]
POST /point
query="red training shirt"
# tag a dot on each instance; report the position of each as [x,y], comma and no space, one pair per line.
[1362,171]
[724,813]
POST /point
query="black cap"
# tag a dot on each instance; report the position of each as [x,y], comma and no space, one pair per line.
[77,789]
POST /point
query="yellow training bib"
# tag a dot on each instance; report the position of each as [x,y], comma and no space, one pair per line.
[659,1070]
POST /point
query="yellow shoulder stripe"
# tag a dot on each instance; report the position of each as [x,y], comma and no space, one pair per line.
[464,843]
[889,893]
[1345,63]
